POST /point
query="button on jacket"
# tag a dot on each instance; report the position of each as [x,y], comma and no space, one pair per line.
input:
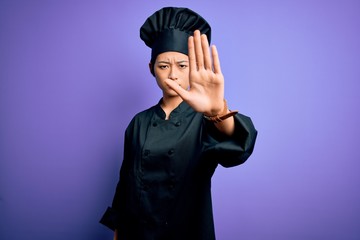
[164,190]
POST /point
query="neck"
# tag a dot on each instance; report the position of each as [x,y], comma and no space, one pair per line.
[169,104]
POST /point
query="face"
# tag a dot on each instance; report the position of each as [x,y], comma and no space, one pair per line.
[173,66]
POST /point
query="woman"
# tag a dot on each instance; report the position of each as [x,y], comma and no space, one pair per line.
[173,148]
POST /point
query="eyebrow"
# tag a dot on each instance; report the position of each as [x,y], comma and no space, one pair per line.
[168,62]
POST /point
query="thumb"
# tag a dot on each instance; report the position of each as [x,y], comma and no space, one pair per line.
[184,94]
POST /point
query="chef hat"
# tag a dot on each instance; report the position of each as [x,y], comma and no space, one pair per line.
[169,28]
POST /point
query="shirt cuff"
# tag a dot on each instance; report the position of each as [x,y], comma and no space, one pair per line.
[110,218]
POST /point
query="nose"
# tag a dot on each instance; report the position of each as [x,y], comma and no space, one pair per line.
[172,74]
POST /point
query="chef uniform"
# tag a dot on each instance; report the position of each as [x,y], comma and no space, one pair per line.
[164,190]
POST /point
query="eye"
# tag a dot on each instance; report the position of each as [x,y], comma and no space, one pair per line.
[163,67]
[183,66]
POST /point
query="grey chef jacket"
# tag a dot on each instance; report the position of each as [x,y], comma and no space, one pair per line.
[164,190]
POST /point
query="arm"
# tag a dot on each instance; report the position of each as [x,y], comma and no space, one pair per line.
[227,126]
[112,216]
[224,122]
[232,150]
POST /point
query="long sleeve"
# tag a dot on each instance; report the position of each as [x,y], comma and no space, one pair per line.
[112,216]
[234,150]
[165,177]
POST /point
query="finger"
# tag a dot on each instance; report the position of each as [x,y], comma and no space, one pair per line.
[198,50]
[192,58]
[216,60]
[184,94]
[206,52]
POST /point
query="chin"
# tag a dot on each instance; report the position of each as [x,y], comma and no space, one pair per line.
[170,93]
[174,94]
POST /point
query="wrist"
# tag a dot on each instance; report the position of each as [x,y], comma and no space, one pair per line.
[224,114]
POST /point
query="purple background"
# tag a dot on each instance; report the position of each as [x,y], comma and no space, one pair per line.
[73,73]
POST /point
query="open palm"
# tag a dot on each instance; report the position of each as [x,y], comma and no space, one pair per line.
[206,92]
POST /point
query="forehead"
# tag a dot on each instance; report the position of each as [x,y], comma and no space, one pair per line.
[172,56]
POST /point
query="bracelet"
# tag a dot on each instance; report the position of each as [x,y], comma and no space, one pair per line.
[223,115]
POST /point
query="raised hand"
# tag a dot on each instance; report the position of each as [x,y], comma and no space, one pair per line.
[206,92]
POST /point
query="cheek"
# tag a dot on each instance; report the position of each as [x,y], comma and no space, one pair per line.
[160,77]
[160,80]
